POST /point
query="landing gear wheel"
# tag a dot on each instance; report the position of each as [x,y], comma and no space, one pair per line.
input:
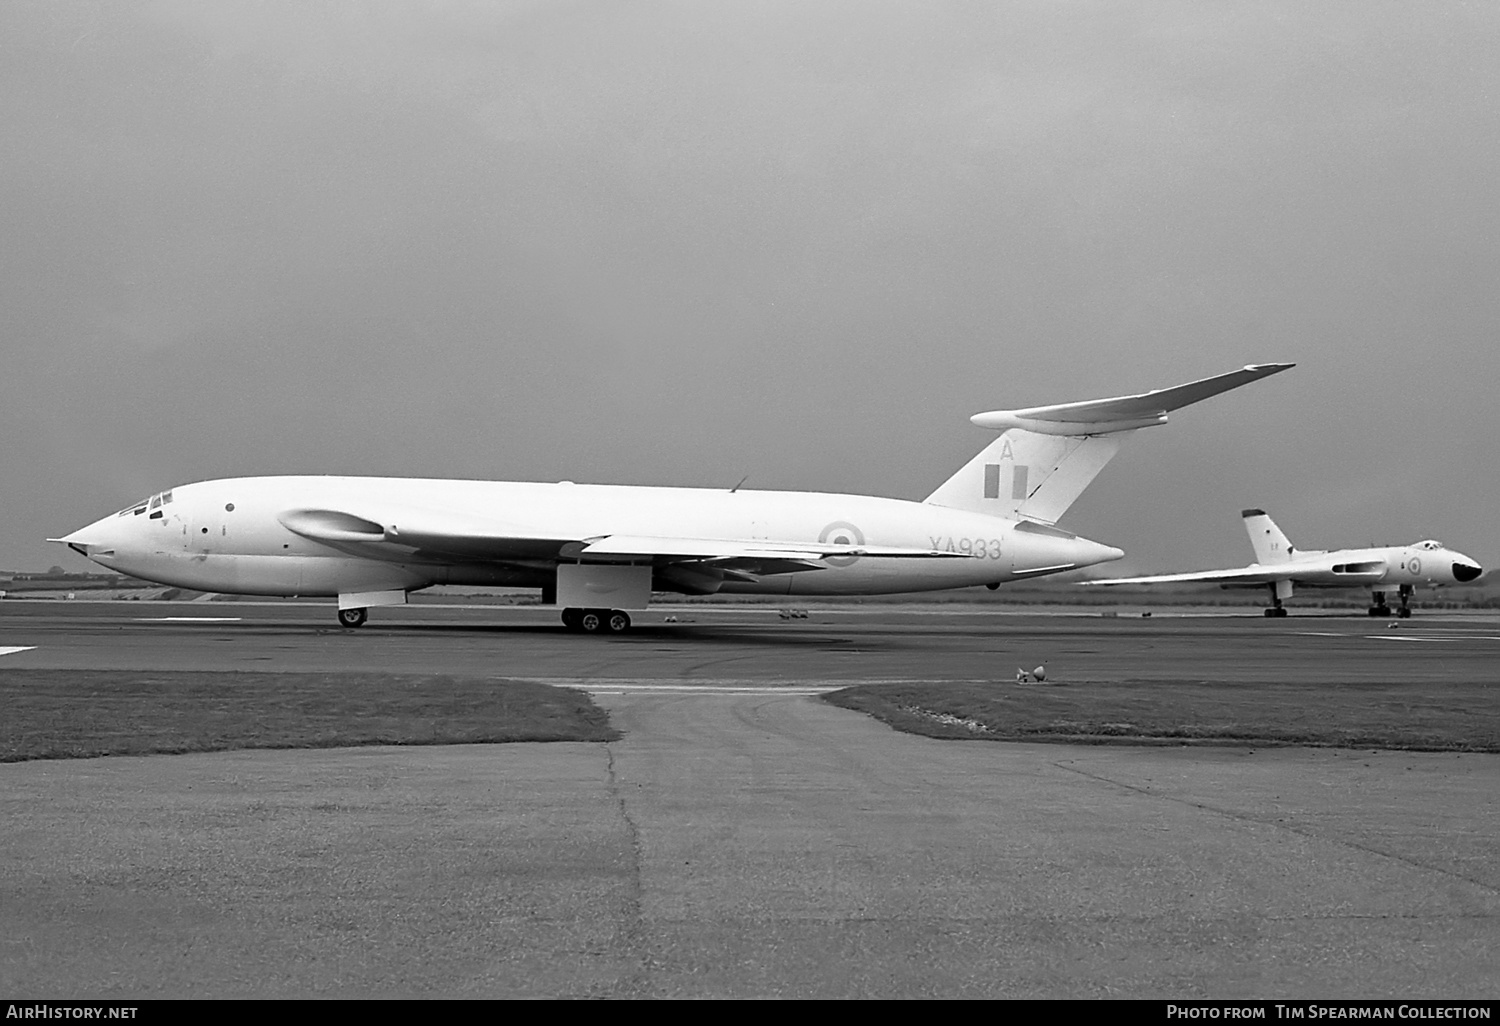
[1403,612]
[572,619]
[1380,610]
[353,617]
[617,621]
[591,622]
[1275,608]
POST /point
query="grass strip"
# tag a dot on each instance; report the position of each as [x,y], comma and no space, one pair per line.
[75,714]
[1460,717]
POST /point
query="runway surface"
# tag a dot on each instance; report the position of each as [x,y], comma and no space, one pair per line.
[750,645]
[743,838]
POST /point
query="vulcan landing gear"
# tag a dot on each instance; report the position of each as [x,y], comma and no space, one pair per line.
[353,617]
[1404,611]
[596,621]
[1276,608]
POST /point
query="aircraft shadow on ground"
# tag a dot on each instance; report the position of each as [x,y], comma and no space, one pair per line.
[697,633]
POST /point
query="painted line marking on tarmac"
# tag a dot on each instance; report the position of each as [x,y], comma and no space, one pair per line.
[1453,637]
[13,649]
[188,619]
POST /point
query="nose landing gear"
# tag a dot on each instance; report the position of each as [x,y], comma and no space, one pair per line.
[1379,608]
[1404,611]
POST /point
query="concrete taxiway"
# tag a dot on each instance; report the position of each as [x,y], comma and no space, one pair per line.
[745,839]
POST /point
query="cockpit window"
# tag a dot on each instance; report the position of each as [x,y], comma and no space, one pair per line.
[155,502]
[1430,545]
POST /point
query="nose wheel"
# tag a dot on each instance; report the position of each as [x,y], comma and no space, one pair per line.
[596,621]
[353,617]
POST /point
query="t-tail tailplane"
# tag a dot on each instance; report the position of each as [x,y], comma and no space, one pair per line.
[1271,546]
[1047,455]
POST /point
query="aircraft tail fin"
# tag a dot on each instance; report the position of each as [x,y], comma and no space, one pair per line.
[1047,455]
[1270,544]
[1027,475]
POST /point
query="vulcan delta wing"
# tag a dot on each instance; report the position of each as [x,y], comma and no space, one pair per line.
[599,551]
[1280,566]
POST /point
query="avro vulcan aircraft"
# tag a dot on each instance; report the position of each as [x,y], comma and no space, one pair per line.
[1278,566]
[597,551]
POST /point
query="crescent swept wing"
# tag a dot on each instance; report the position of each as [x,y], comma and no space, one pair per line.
[408,533]
[716,548]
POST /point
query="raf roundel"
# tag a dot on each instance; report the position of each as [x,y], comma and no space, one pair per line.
[841,532]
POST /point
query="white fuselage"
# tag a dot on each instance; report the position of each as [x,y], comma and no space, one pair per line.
[1382,567]
[225,536]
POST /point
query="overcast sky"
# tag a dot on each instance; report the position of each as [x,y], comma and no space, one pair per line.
[680,243]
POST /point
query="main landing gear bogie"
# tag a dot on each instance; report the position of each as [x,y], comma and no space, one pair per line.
[596,621]
[1275,608]
[353,617]
[1379,608]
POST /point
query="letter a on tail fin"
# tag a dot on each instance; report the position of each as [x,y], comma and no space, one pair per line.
[1047,455]
[1271,546]
[1025,474]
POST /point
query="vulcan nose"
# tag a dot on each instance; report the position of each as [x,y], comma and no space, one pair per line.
[1463,572]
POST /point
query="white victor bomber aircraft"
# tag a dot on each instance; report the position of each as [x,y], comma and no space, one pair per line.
[1278,566]
[597,551]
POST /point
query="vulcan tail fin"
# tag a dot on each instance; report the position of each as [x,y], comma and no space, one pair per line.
[1047,455]
[1271,546]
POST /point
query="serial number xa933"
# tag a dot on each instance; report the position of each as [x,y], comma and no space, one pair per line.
[979,548]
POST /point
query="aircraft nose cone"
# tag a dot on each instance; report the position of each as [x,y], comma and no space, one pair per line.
[1463,572]
[96,539]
